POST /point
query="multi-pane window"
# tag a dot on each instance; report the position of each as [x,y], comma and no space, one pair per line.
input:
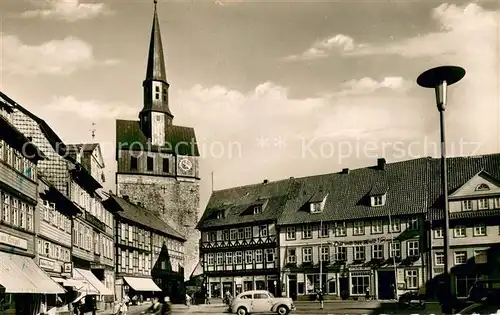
[225,235]
[258,256]
[325,253]
[241,234]
[307,231]
[233,234]
[291,255]
[315,207]
[341,253]
[229,258]
[359,252]
[307,254]
[377,227]
[378,251]
[480,230]
[248,257]
[482,204]
[15,212]
[413,248]
[358,228]
[438,232]
[460,257]
[22,216]
[248,232]
[220,259]
[411,278]
[239,258]
[377,200]
[412,224]
[340,229]
[325,231]
[459,231]
[439,258]
[467,205]
[394,250]
[290,233]
[6,207]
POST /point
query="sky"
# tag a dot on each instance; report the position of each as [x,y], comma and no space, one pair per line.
[274,89]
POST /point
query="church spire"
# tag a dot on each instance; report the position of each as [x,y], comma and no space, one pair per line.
[156,60]
[155,115]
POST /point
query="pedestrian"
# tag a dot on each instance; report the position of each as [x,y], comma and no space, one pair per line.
[367,295]
[320,298]
[166,307]
[124,307]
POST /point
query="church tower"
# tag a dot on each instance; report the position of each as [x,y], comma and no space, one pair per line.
[157,161]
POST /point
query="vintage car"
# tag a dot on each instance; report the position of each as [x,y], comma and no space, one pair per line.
[260,302]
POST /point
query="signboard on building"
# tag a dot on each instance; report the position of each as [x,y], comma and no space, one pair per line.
[68,267]
[13,241]
[46,264]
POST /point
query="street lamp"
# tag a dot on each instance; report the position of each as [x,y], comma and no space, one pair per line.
[439,79]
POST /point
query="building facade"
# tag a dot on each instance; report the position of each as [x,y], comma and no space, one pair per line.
[157,161]
[239,243]
[72,190]
[24,285]
[149,253]
[99,218]
[356,232]
[474,205]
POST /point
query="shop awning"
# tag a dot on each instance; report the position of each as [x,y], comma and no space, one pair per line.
[89,277]
[142,284]
[19,274]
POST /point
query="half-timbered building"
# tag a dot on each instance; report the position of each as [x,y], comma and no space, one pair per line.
[149,253]
[239,238]
[19,273]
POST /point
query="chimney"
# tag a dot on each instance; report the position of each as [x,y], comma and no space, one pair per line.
[381,163]
[126,197]
[291,177]
[345,171]
[265,181]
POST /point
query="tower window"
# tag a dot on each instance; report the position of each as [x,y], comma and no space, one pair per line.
[165,166]
[157,96]
[150,163]
[133,163]
[157,88]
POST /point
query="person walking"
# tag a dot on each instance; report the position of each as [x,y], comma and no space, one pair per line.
[166,308]
[320,298]
[367,295]
[124,307]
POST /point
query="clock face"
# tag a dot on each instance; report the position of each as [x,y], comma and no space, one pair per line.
[185,165]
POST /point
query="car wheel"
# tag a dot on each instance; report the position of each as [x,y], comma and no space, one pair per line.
[242,311]
[282,310]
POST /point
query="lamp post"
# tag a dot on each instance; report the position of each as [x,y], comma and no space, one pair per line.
[439,79]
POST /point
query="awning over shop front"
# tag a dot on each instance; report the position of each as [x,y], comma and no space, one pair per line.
[19,274]
[142,284]
[79,285]
[88,276]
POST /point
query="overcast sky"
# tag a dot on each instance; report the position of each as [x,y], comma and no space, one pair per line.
[273,88]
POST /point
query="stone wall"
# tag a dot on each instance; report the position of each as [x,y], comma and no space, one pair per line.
[176,200]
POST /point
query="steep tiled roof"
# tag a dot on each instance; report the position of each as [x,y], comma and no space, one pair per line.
[179,140]
[235,202]
[348,194]
[143,216]
[460,170]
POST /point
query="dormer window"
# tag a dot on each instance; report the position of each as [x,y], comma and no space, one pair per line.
[257,209]
[378,200]
[482,187]
[315,207]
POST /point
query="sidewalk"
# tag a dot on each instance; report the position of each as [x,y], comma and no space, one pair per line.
[131,309]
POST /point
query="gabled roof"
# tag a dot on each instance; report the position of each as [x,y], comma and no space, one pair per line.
[348,194]
[87,148]
[142,216]
[179,140]
[460,171]
[234,202]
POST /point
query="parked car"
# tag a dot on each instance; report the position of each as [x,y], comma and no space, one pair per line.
[260,302]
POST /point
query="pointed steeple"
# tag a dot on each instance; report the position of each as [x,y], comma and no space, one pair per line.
[155,115]
[156,61]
